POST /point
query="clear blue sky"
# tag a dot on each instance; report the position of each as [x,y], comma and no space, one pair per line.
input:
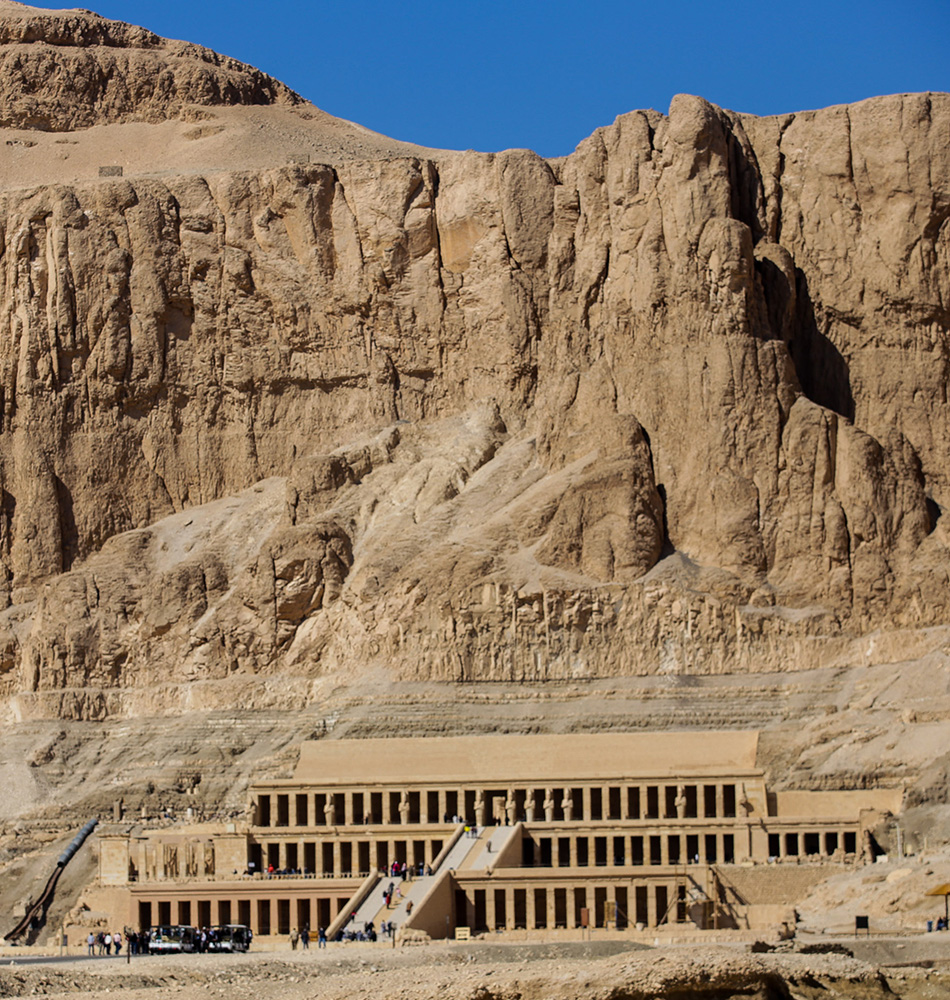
[492,75]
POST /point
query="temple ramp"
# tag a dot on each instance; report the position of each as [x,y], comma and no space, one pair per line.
[414,890]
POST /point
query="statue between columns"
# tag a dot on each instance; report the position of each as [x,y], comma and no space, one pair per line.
[680,801]
[567,805]
[549,805]
[511,807]
[404,808]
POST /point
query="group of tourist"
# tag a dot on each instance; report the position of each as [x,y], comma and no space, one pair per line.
[106,943]
[103,943]
[387,929]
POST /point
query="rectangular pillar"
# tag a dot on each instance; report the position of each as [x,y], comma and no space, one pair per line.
[348,809]
[585,808]
[652,915]
[442,806]
[337,862]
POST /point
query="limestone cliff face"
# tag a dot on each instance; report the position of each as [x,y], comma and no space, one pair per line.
[675,403]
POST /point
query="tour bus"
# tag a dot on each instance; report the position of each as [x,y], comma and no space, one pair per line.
[229,937]
[169,938]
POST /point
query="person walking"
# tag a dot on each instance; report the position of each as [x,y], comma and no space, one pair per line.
[91,944]
[322,937]
[305,939]
[294,938]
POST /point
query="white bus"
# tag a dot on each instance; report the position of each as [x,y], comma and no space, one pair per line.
[172,938]
[229,937]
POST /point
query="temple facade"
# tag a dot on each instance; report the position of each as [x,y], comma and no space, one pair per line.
[502,833]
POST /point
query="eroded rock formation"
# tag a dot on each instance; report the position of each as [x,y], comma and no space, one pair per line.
[674,403]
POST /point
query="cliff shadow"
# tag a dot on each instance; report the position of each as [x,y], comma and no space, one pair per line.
[822,370]
[69,535]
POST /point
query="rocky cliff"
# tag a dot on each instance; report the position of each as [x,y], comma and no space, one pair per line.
[673,404]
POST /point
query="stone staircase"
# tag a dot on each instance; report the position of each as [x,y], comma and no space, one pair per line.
[373,909]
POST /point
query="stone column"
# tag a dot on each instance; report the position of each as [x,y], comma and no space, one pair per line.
[490,907]
[585,806]
[404,809]
[348,809]
[337,861]
[255,914]
[571,914]
[509,909]
[664,849]
[529,912]
[720,810]
[329,810]
[573,851]
[511,807]
[442,807]
[282,854]
[552,911]
[652,915]
[549,805]
[387,811]
[624,802]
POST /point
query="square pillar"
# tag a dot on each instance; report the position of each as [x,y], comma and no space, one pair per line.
[719,801]
[529,914]
[509,909]
[552,911]
[573,856]
[337,862]
[585,808]
[490,908]
[652,915]
[282,854]
[348,809]
[442,807]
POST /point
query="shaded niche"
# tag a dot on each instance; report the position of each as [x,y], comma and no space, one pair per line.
[69,536]
[667,548]
[933,511]
[822,371]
